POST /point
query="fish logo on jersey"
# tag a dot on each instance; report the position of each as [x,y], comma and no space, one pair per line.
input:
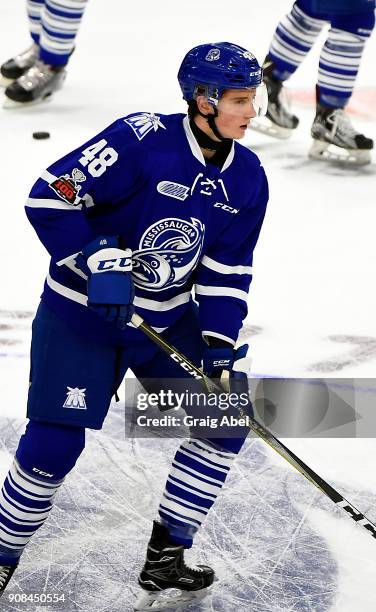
[75,398]
[213,55]
[66,186]
[168,252]
[143,123]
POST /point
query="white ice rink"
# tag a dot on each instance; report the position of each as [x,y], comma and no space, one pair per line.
[276,543]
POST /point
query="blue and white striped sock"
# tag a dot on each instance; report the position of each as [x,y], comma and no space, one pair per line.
[54,25]
[25,503]
[293,38]
[194,482]
[34,8]
[339,64]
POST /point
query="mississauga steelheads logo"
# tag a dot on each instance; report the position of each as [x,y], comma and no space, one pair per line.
[168,252]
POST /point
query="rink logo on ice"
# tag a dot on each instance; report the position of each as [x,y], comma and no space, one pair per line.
[75,398]
[168,252]
[66,186]
[173,190]
[213,55]
[143,123]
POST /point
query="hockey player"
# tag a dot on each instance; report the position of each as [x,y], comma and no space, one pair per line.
[351,23]
[39,71]
[147,210]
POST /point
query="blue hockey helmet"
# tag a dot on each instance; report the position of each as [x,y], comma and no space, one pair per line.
[211,68]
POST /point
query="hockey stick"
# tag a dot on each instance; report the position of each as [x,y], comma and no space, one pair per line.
[261,431]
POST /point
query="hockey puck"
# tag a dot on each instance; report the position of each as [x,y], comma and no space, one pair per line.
[41,135]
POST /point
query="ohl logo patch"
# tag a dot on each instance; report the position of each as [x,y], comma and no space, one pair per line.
[168,252]
[66,186]
[143,123]
[75,398]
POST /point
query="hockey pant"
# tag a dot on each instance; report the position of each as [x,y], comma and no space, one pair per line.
[340,55]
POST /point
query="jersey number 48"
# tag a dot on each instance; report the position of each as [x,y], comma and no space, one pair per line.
[97,157]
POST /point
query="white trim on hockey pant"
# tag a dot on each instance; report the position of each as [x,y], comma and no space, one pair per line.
[208,262]
[214,291]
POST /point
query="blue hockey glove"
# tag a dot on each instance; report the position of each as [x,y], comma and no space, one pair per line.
[231,366]
[110,288]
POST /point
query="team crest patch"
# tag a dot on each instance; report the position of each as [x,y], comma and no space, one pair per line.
[213,55]
[143,123]
[75,398]
[66,186]
[173,190]
[168,252]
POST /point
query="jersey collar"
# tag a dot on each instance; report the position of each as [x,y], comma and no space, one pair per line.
[196,151]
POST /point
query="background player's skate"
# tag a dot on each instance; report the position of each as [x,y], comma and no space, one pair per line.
[334,138]
[15,67]
[37,84]
[279,121]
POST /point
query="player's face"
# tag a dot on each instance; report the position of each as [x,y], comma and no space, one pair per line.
[235,110]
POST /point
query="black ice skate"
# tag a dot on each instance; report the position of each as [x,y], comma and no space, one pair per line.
[332,126]
[279,122]
[17,66]
[165,569]
[6,573]
[38,83]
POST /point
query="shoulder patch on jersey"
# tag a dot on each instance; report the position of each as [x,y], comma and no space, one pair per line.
[66,187]
[143,123]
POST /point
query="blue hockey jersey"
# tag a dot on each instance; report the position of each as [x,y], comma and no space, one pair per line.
[191,225]
[342,7]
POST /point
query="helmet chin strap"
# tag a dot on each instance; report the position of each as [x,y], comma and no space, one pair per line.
[213,126]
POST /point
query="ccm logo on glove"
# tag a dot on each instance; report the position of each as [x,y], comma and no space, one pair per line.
[117,260]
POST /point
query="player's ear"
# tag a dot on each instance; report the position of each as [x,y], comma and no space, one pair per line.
[204,105]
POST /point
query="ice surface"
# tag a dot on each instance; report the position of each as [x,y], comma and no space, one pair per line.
[276,543]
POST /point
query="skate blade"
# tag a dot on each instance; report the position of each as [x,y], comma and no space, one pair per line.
[324,151]
[265,126]
[9,104]
[163,601]
[4,82]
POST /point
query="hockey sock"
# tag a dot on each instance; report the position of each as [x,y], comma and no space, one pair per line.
[60,22]
[293,38]
[46,453]
[339,64]
[34,8]
[193,484]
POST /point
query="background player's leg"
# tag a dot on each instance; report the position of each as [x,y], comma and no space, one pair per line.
[54,27]
[339,65]
[292,40]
